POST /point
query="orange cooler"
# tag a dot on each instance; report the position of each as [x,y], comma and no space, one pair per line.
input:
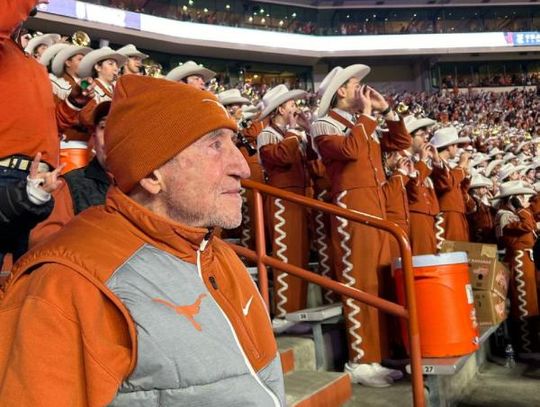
[445,304]
[74,154]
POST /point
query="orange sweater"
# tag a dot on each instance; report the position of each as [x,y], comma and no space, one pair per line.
[28,118]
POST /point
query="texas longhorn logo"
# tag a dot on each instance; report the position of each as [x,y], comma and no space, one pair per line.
[188,311]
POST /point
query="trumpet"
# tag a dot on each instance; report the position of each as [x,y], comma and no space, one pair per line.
[81,39]
[402,108]
[152,68]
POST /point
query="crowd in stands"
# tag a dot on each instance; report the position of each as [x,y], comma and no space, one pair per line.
[444,166]
[339,22]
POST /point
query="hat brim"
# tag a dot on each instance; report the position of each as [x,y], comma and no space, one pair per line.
[354,71]
[234,100]
[136,54]
[51,52]
[420,123]
[46,39]
[87,63]
[518,191]
[481,184]
[60,58]
[459,140]
[290,95]
[178,73]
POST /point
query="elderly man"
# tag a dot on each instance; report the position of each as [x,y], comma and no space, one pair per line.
[147,308]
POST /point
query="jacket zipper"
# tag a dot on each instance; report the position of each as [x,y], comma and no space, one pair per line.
[274,398]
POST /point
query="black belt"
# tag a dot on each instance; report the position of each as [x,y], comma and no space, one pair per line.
[18,162]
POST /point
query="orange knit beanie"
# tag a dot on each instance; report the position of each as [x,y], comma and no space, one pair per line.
[151,120]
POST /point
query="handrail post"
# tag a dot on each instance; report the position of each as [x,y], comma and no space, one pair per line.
[260,247]
[414,333]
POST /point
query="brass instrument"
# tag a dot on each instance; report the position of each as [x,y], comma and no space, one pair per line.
[402,108]
[152,68]
[81,39]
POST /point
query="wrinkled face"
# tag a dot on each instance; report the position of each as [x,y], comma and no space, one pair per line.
[202,183]
[420,138]
[134,65]
[99,136]
[72,64]
[197,81]
[107,70]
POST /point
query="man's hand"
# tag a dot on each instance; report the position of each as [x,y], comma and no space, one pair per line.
[464,159]
[363,96]
[378,102]
[49,181]
[79,96]
[303,121]
[433,153]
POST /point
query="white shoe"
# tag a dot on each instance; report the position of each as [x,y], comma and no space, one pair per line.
[391,373]
[280,325]
[367,375]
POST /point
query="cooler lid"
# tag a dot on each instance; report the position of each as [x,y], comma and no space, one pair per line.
[427,260]
[64,145]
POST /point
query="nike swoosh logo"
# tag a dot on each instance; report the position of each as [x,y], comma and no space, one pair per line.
[245,310]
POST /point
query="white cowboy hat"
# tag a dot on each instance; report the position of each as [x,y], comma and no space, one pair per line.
[506,170]
[334,80]
[514,188]
[495,151]
[101,54]
[447,136]
[278,95]
[478,181]
[508,157]
[51,52]
[520,146]
[478,159]
[412,123]
[232,97]
[491,166]
[250,112]
[45,39]
[190,68]
[57,66]
[131,51]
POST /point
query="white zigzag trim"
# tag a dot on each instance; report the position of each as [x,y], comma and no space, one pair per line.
[439,230]
[280,254]
[323,248]
[246,224]
[349,281]
[522,301]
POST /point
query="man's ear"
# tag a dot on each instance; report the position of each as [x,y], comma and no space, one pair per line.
[153,183]
[341,92]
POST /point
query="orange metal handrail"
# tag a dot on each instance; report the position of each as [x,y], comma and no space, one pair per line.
[263,259]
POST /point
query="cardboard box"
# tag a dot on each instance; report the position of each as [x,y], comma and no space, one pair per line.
[486,272]
[490,307]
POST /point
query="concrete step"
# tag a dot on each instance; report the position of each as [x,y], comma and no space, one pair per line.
[317,389]
[303,351]
[397,395]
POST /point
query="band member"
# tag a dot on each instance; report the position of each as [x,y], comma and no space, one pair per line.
[350,148]
[39,44]
[481,217]
[282,153]
[192,74]
[133,65]
[103,66]
[517,230]
[423,202]
[448,184]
